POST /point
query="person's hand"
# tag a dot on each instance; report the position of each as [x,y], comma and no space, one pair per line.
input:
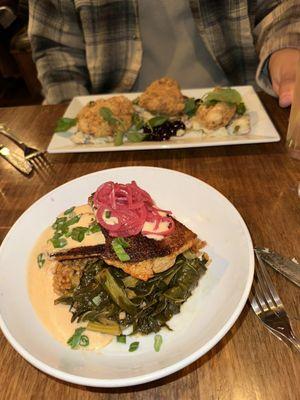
[282,67]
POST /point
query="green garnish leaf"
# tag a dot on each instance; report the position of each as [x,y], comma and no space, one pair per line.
[121,339]
[133,346]
[241,109]
[107,214]
[95,227]
[137,121]
[69,210]
[136,136]
[190,106]
[108,116]
[75,339]
[84,341]
[41,260]
[118,138]
[118,245]
[63,124]
[157,342]
[78,233]
[58,242]
[157,121]
[227,95]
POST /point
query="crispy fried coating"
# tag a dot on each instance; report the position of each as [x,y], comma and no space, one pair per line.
[91,122]
[214,116]
[163,96]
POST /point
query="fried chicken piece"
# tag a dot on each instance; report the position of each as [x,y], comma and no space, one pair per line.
[163,96]
[91,122]
[214,116]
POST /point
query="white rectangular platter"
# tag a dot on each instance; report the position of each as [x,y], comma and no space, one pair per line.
[262,128]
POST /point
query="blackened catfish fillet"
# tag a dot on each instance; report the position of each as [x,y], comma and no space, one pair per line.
[147,256]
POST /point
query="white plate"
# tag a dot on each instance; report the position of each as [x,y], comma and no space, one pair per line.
[205,318]
[262,128]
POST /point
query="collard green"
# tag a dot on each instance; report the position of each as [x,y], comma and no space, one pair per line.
[111,300]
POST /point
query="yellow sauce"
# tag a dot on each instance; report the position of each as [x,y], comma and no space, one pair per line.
[55,318]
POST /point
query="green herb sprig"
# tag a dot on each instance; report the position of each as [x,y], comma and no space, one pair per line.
[63,124]
[108,116]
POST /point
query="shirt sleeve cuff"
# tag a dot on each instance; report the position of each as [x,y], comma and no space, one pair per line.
[262,74]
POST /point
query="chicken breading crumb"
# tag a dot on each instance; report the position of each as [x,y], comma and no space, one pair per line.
[163,96]
[92,123]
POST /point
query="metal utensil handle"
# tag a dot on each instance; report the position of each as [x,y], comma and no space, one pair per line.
[287,337]
[11,136]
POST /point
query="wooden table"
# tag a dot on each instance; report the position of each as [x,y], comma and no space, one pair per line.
[260,180]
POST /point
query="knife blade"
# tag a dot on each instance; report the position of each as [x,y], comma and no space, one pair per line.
[15,159]
[284,265]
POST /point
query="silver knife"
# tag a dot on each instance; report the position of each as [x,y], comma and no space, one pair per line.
[16,160]
[284,265]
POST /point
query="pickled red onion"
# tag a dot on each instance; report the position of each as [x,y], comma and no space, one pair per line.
[131,208]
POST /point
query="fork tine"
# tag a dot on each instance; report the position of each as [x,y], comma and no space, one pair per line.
[269,291]
[260,298]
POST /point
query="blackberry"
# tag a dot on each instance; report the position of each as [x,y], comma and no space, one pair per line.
[164,131]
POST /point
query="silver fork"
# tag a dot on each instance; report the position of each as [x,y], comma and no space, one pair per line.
[37,158]
[269,308]
[29,152]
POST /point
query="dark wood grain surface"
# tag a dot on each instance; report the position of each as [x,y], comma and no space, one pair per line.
[263,184]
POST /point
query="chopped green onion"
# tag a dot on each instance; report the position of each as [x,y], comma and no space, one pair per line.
[121,339]
[59,222]
[84,341]
[122,242]
[41,260]
[69,210]
[157,342]
[133,346]
[94,228]
[73,220]
[58,242]
[75,339]
[78,233]
[118,245]
[107,214]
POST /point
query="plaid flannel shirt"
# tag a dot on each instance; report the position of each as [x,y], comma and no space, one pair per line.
[84,46]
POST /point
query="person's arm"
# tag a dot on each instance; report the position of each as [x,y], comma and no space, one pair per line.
[58,49]
[277,36]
